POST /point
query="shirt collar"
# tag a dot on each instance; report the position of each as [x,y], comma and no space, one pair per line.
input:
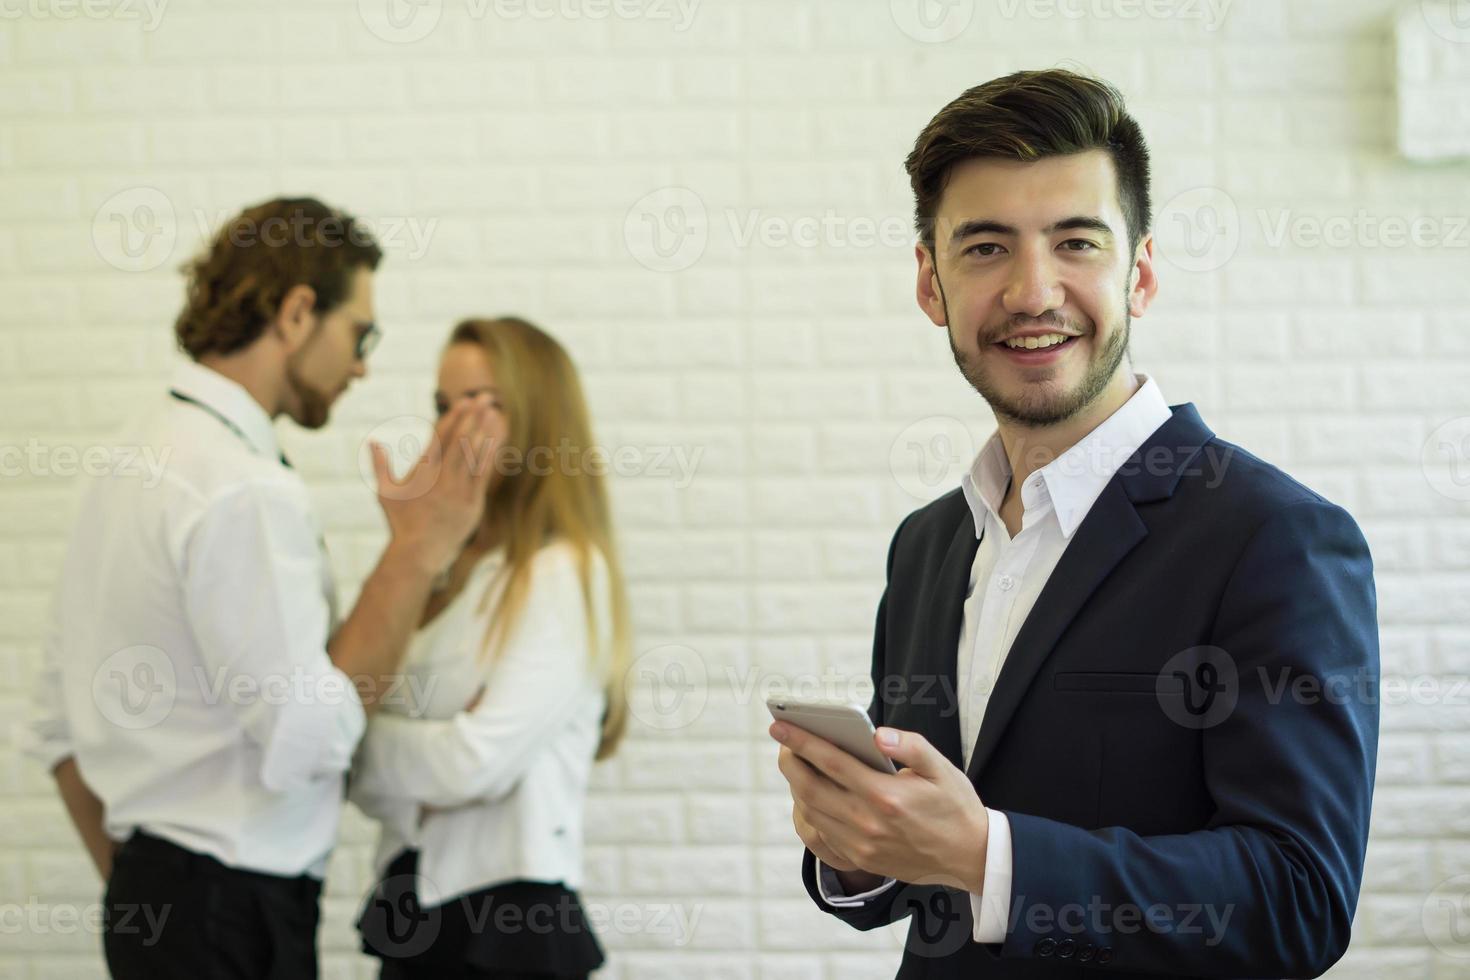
[1075,479]
[231,401]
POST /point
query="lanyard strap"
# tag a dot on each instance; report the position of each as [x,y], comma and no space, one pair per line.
[179,395]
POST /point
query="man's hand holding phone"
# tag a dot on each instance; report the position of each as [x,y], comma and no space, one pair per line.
[922,825]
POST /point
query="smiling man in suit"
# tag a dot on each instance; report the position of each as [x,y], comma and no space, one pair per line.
[1157,752]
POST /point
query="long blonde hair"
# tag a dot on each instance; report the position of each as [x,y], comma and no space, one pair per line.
[535,506]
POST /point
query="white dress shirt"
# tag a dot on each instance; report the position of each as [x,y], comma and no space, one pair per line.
[509,778]
[185,667]
[1006,578]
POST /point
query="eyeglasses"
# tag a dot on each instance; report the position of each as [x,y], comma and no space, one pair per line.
[367,340]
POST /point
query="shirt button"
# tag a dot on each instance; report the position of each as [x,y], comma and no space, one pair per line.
[1005,582]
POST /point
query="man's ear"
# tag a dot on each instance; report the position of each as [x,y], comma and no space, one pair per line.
[1142,281]
[927,289]
[295,317]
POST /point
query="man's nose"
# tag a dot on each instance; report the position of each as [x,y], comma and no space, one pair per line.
[1033,288]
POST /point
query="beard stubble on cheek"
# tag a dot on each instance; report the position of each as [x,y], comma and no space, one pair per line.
[313,407]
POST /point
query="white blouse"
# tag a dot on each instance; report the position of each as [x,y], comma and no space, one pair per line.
[509,778]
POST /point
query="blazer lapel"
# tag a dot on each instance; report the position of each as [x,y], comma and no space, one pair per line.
[940,636]
[1110,531]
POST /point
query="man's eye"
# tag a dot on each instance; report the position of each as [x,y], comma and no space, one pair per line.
[440,408]
[978,249]
[1080,241]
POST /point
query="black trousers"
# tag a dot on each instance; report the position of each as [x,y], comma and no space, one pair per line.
[172,914]
[514,930]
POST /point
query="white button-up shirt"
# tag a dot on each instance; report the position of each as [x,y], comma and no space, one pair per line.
[1006,578]
[186,667]
[508,777]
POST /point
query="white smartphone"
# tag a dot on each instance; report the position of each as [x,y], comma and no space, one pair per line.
[846,726]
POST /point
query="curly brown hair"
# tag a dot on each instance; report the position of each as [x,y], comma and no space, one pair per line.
[236,285]
[1026,116]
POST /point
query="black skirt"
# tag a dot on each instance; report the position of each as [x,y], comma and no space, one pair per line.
[514,927]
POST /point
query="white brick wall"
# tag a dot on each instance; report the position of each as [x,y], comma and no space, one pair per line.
[527,162]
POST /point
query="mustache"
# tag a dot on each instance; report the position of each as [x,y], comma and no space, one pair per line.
[1060,324]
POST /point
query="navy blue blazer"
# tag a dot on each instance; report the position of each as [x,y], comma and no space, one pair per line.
[1183,735]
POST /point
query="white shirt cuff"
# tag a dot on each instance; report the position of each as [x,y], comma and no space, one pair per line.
[830,888]
[990,908]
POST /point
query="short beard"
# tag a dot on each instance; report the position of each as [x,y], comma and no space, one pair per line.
[313,408]
[1049,407]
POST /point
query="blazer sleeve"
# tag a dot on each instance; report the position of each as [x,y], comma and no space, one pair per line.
[1274,877]
[880,909]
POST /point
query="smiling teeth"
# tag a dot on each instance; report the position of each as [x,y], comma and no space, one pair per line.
[1035,343]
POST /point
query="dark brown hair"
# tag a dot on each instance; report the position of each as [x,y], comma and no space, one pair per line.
[1026,116]
[236,285]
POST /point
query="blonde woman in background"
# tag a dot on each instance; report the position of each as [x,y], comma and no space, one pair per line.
[514,688]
